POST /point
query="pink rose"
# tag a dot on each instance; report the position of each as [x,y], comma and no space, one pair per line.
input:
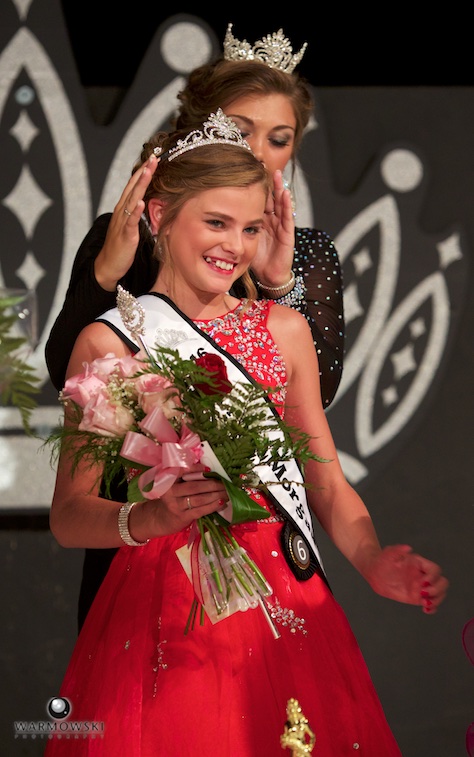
[97,374]
[129,366]
[124,367]
[104,417]
[82,387]
[155,391]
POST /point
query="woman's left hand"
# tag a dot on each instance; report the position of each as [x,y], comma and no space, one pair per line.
[399,573]
[273,262]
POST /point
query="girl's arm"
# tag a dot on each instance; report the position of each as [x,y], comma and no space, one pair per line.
[394,572]
[81,518]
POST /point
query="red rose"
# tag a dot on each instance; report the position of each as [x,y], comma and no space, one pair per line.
[215,366]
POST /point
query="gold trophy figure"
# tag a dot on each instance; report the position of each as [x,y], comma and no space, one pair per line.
[297,735]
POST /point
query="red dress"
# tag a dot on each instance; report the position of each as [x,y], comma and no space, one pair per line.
[140,687]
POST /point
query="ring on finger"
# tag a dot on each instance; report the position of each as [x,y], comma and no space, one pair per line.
[188,503]
[127,212]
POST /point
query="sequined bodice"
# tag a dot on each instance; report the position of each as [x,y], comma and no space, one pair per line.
[243,333]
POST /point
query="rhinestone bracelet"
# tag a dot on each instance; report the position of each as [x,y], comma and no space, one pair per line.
[297,295]
[275,292]
[123,516]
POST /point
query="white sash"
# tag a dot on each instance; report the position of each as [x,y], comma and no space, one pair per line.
[166,326]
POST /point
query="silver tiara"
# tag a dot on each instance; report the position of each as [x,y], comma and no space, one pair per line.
[274,50]
[217,130]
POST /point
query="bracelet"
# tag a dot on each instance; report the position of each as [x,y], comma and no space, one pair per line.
[278,291]
[297,297]
[123,516]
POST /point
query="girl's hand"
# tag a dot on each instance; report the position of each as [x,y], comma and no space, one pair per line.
[400,574]
[273,262]
[121,242]
[186,500]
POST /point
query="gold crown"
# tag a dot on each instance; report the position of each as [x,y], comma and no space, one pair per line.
[274,50]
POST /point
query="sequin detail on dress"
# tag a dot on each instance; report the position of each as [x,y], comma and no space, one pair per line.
[243,333]
[286,617]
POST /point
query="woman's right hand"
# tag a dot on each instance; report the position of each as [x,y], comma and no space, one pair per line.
[190,497]
[121,242]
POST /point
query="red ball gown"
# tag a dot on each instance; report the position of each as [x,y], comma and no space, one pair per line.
[139,686]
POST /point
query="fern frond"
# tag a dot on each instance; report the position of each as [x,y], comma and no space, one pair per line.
[18,382]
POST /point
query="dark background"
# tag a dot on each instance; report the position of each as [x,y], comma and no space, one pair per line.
[347,46]
[385,77]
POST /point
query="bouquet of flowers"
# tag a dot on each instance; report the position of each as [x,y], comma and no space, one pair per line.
[144,421]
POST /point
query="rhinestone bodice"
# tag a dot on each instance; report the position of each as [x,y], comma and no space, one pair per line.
[244,334]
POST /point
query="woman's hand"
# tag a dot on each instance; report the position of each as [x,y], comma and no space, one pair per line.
[273,262]
[186,500]
[400,574]
[121,242]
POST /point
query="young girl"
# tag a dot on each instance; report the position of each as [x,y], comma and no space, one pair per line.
[223,688]
[271,104]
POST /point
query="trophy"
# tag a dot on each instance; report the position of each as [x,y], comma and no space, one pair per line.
[297,735]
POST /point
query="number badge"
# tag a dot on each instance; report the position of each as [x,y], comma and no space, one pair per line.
[298,553]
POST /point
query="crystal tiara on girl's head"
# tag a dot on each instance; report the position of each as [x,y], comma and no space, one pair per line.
[274,50]
[217,130]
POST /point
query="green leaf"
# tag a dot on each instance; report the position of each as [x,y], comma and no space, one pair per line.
[133,492]
[244,508]
[18,382]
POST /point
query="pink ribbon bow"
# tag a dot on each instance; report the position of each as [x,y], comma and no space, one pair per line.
[166,454]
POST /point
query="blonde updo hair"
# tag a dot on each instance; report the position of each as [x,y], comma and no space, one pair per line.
[187,175]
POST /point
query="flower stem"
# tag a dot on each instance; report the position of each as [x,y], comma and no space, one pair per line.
[261,580]
[209,554]
[230,574]
[276,633]
[191,617]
